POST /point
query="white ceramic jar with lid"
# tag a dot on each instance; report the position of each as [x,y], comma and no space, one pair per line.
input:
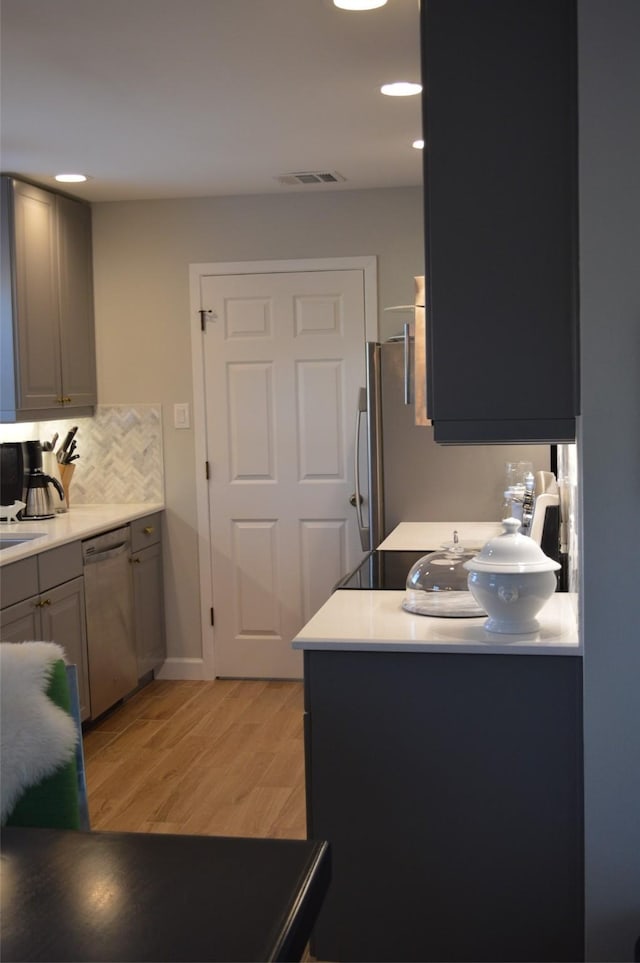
[511,578]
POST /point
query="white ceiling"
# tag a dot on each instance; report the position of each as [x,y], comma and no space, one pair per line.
[188,98]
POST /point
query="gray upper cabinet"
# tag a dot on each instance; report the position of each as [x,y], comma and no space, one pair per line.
[500,177]
[77,331]
[47,322]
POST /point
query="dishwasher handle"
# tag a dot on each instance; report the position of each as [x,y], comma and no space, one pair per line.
[101,556]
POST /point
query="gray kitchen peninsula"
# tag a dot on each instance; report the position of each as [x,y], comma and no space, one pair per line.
[444,765]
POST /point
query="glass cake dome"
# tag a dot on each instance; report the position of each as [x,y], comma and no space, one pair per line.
[437,584]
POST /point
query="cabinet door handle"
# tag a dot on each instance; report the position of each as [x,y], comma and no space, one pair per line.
[42,603]
[148,530]
[407,363]
[135,560]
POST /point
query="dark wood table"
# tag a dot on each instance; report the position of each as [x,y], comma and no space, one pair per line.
[77,896]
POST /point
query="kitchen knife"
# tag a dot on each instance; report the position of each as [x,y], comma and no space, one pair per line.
[65,444]
[65,456]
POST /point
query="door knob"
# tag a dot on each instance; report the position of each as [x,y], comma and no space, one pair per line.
[356,500]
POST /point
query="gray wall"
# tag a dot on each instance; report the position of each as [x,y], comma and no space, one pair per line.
[609,60]
[142,252]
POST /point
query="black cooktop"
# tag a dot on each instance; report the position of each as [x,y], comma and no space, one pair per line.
[381,569]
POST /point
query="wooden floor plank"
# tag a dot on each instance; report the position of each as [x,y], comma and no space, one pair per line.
[223,757]
[147,704]
[94,742]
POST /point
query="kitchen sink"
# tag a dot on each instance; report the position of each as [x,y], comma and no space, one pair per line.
[9,539]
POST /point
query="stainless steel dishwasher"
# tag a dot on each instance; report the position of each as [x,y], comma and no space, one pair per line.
[108,586]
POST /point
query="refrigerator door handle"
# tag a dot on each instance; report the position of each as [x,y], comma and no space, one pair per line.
[357,496]
[407,363]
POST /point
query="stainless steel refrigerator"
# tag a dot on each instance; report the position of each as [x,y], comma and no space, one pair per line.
[402,475]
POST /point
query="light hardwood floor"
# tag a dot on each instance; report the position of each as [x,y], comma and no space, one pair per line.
[215,758]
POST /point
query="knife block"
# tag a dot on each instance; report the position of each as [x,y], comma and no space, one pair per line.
[52,467]
[66,474]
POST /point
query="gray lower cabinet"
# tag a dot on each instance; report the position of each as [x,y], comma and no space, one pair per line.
[47,319]
[43,598]
[148,593]
[149,609]
[63,618]
[21,622]
[55,614]
[450,790]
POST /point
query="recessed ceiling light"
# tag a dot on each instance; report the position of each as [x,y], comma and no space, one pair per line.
[70,178]
[418,144]
[401,89]
[359,4]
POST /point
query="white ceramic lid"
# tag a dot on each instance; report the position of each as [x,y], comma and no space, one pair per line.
[511,552]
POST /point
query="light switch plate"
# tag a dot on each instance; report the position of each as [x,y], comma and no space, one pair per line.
[181,415]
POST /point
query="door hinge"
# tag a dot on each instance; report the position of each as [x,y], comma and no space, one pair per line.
[212,619]
[204,312]
[206,470]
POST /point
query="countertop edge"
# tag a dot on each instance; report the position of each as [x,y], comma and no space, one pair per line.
[450,648]
[374,621]
[78,523]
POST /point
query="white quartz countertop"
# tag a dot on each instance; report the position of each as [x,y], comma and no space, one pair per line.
[415,536]
[353,620]
[81,521]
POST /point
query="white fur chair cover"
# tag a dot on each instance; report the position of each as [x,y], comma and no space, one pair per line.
[36,736]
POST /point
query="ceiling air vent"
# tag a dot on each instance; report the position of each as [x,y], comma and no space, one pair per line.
[310,177]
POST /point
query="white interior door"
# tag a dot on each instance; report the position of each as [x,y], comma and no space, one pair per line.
[283,361]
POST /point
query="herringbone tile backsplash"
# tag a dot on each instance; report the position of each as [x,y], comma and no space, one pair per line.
[120,452]
[121,456]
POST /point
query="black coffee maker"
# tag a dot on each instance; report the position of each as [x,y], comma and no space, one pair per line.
[38,491]
[12,478]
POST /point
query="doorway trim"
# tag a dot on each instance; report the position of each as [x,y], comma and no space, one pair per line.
[205,668]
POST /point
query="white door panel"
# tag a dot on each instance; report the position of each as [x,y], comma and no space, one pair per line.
[323,552]
[321,443]
[283,363]
[251,439]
